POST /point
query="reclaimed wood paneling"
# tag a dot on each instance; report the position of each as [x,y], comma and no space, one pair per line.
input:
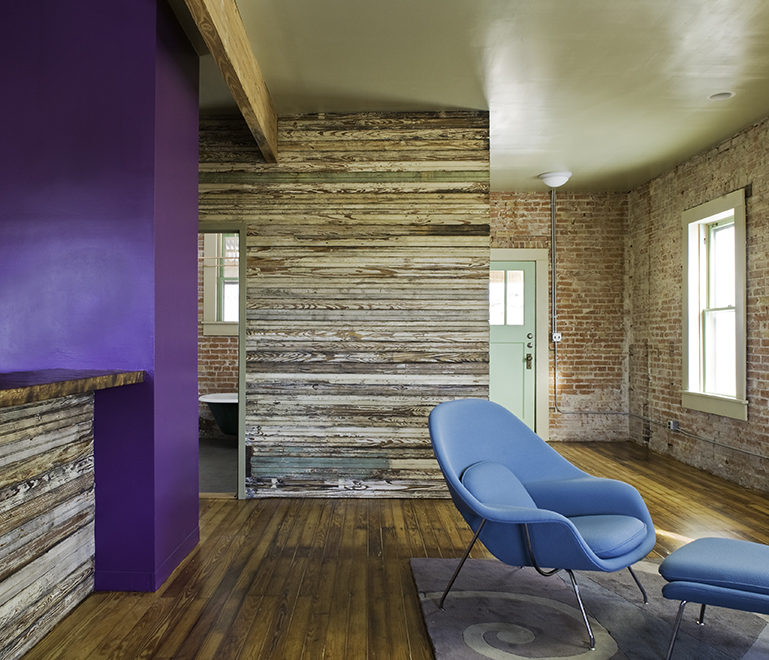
[367,292]
[46,516]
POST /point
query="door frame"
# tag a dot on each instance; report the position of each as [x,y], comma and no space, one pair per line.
[541,258]
[240,229]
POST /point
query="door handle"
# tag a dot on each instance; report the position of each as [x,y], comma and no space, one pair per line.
[529,358]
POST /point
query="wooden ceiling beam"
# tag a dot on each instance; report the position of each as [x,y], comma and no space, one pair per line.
[222,29]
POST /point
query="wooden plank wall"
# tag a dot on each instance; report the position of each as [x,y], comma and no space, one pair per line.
[46,516]
[367,292]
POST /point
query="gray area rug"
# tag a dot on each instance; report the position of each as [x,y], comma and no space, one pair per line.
[503,612]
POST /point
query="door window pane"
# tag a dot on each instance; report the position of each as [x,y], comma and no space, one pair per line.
[514,297]
[506,297]
[497,297]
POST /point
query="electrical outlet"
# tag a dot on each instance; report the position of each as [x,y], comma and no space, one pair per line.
[673,425]
[556,336]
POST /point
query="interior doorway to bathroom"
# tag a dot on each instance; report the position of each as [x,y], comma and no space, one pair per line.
[219,373]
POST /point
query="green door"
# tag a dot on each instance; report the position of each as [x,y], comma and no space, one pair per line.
[513,333]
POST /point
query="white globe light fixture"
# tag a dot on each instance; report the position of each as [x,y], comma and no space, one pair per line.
[555,179]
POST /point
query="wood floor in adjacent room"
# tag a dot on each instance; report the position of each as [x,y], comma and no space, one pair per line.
[308,578]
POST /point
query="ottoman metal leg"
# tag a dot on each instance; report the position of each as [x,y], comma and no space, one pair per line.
[722,572]
[675,629]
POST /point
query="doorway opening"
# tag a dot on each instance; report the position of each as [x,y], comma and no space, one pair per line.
[220,427]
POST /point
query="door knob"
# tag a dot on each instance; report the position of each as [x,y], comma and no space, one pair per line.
[529,358]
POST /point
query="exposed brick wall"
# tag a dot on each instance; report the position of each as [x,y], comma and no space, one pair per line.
[592,357]
[620,307]
[217,356]
[520,220]
[729,448]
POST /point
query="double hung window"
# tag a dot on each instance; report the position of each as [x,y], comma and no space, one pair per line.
[714,307]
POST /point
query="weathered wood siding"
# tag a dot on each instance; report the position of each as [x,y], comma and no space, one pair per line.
[46,516]
[367,292]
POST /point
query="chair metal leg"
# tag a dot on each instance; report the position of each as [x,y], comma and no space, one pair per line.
[640,586]
[701,620]
[582,608]
[675,629]
[461,563]
[534,563]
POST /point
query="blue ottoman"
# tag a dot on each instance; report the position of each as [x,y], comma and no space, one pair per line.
[721,572]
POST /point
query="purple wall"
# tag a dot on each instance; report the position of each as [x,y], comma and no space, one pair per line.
[76,196]
[176,297]
[98,230]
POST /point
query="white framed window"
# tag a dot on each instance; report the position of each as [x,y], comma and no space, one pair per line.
[220,284]
[714,354]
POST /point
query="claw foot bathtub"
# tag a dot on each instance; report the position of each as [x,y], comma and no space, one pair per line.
[224,408]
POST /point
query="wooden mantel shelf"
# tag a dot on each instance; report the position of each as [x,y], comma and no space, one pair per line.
[20,387]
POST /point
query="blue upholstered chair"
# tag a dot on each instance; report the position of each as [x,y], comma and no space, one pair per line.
[529,505]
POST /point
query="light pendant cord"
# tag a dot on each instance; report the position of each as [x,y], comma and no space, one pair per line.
[553,313]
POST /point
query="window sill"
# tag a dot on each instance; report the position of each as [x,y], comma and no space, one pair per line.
[219,328]
[716,405]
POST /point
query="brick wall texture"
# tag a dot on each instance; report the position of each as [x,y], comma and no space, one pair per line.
[217,356]
[619,303]
[590,305]
[733,449]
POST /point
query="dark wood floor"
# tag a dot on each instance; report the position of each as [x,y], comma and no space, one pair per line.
[303,578]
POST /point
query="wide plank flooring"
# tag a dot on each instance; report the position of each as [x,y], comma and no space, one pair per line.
[310,578]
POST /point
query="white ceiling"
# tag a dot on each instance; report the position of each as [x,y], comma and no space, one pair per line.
[614,90]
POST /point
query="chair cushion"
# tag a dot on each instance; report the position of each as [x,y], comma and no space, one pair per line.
[610,535]
[726,563]
[494,484]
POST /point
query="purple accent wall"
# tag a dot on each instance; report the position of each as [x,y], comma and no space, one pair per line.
[176,248]
[98,231]
[76,193]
